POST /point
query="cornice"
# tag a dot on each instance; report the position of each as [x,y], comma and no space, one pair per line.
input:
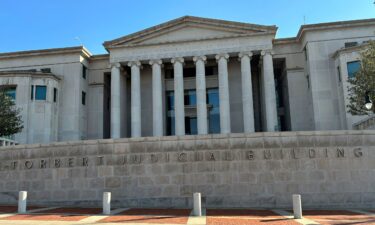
[323,26]
[357,48]
[51,51]
[28,74]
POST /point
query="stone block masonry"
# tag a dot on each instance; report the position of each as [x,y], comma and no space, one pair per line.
[259,170]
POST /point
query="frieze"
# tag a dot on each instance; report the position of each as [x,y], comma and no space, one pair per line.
[182,157]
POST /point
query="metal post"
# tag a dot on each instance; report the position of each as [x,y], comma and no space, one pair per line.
[107,203]
[22,198]
[297,207]
[197,204]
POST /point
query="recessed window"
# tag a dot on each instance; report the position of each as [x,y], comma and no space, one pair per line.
[10,91]
[351,44]
[190,97]
[54,94]
[353,68]
[84,71]
[40,92]
[308,81]
[305,52]
[83,98]
[213,111]
[32,93]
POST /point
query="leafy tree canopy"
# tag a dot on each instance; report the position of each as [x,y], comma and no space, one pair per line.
[10,118]
[363,83]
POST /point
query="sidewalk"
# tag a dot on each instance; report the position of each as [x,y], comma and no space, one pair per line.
[73,216]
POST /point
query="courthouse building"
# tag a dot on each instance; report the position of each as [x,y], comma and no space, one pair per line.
[189,76]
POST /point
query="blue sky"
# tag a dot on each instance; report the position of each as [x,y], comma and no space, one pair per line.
[40,24]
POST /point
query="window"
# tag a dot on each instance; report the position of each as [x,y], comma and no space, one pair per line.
[170,112]
[350,44]
[10,91]
[339,73]
[191,125]
[84,71]
[190,97]
[54,94]
[353,68]
[32,92]
[213,111]
[40,92]
[308,81]
[83,98]
[305,51]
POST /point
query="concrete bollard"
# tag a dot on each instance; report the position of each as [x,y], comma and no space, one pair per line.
[297,207]
[22,199]
[107,203]
[197,204]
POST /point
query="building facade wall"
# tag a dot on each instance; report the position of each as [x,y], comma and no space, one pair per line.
[71,117]
[304,66]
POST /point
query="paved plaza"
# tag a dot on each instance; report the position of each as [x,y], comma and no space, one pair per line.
[71,216]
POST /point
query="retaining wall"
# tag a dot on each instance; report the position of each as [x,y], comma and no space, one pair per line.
[261,170]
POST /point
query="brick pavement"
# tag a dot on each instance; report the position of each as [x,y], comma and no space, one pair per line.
[73,216]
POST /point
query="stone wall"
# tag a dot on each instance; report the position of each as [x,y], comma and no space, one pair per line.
[262,170]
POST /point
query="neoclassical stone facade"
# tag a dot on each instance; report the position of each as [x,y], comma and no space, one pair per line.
[188,76]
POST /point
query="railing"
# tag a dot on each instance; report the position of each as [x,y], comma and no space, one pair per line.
[366,123]
[7,142]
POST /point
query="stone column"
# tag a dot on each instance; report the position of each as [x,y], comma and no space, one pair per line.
[269,92]
[222,60]
[115,101]
[247,92]
[201,94]
[135,98]
[179,105]
[157,103]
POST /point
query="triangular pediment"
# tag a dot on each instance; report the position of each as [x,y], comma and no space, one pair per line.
[189,29]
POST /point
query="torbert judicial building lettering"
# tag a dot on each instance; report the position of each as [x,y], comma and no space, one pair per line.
[189,76]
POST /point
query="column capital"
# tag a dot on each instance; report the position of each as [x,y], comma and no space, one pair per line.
[178,59]
[114,65]
[134,63]
[155,61]
[242,54]
[222,55]
[266,52]
[201,57]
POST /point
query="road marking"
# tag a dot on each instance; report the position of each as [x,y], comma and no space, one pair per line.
[197,220]
[289,215]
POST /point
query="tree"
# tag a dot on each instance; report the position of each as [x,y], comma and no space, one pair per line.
[10,118]
[362,85]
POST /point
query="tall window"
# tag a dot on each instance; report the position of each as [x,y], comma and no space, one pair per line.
[339,73]
[83,98]
[190,97]
[32,92]
[40,92]
[84,71]
[353,68]
[214,110]
[54,94]
[191,126]
[170,113]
